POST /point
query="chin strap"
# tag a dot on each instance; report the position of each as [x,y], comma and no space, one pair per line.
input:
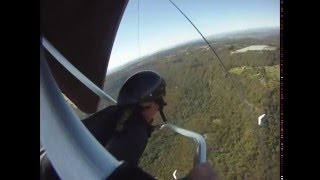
[161,104]
[164,119]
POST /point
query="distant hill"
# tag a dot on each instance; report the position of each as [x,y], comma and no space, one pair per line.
[256,33]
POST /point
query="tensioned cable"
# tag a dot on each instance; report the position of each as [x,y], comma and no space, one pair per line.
[207,43]
[238,88]
[233,82]
[139,28]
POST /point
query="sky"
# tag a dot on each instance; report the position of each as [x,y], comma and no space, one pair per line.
[148,26]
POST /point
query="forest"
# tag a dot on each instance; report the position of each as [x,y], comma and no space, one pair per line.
[202,97]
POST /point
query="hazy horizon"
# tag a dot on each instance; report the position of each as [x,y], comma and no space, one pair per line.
[218,35]
[151,26]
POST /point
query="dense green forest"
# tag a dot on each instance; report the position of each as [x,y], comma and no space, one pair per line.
[202,97]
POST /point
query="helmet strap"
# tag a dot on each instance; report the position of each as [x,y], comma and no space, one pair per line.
[161,104]
[164,119]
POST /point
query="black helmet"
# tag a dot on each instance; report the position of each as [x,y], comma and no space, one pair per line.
[141,87]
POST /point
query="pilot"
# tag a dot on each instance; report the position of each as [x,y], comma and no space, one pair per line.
[140,98]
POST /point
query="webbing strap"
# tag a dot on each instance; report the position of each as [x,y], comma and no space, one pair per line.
[74,71]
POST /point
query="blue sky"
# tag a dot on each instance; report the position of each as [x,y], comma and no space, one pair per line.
[161,25]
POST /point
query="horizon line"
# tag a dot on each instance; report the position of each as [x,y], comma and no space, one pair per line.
[183,43]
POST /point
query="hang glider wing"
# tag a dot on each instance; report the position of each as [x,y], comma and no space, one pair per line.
[84,32]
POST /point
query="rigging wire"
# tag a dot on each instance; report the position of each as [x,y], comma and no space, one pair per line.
[238,88]
[241,93]
[138,28]
[224,67]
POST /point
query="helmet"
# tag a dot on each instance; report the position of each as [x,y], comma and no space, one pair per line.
[143,86]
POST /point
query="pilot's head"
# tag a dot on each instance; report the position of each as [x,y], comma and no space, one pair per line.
[146,89]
